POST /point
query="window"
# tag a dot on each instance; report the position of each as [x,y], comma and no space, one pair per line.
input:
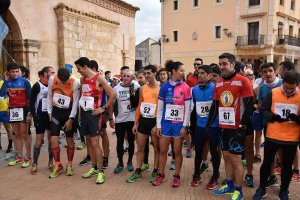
[195,3]
[254,2]
[281,2]
[293,5]
[218,1]
[217,32]
[175,36]
[175,5]
[291,30]
[299,33]
[253,33]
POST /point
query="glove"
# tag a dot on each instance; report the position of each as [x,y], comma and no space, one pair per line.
[277,118]
[131,90]
[293,117]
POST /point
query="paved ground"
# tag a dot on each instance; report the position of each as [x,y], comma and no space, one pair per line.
[18,184]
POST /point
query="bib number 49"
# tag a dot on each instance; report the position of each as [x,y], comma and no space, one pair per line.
[61,102]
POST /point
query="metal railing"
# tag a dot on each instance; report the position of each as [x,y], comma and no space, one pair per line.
[288,40]
[250,40]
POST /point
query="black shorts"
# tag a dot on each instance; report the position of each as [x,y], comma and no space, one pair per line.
[42,123]
[89,123]
[145,125]
[229,142]
[250,130]
[25,112]
[59,118]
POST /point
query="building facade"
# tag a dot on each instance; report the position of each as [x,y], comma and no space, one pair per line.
[255,31]
[56,32]
[143,51]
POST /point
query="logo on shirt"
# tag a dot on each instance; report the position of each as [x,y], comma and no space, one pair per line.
[226,98]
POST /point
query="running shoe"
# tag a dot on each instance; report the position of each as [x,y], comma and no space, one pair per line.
[259,194]
[130,168]
[172,165]
[11,155]
[2,155]
[152,177]
[170,153]
[85,161]
[105,162]
[145,167]
[16,161]
[224,189]
[134,177]
[126,150]
[203,168]
[185,144]
[26,163]
[81,146]
[56,171]
[237,195]
[8,150]
[284,195]
[33,169]
[295,177]
[118,169]
[189,153]
[69,170]
[272,181]
[50,166]
[277,170]
[176,181]
[249,180]
[196,181]
[212,184]
[90,173]
[101,178]
[158,180]
[257,159]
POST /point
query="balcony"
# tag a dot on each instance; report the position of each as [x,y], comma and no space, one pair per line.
[288,40]
[250,40]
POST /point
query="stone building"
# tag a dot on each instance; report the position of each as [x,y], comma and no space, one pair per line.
[143,51]
[56,32]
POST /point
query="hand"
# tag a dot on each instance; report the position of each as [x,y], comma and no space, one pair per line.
[182,132]
[68,125]
[112,123]
[28,119]
[158,132]
[98,111]
[293,117]
[277,118]
[134,129]
[6,75]
[50,116]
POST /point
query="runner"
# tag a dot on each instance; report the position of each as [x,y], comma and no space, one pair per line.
[233,101]
[172,118]
[90,111]
[38,111]
[202,99]
[124,117]
[145,123]
[18,90]
[62,106]
[281,110]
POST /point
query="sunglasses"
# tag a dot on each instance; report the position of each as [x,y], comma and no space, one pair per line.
[250,74]
[197,64]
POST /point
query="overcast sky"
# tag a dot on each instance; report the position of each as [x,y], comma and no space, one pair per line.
[147,19]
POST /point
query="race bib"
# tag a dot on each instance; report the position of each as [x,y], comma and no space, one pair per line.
[148,109]
[61,101]
[125,107]
[202,108]
[16,115]
[44,104]
[227,116]
[174,112]
[285,109]
[86,103]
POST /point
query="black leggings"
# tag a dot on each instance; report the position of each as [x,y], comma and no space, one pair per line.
[121,129]
[146,152]
[288,155]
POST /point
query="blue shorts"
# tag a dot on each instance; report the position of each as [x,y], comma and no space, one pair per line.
[257,121]
[169,129]
[4,117]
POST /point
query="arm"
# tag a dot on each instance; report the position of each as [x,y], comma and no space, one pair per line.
[266,107]
[3,90]
[213,113]
[28,90]
[34,92]
[187,112]
[49,97]
[108,90]
[138,111]
[134,99]
[160,108]
[76,95]
[248,105]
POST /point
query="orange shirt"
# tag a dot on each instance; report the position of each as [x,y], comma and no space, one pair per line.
[64,89]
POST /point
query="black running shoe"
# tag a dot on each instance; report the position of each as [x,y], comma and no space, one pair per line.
[203,168]
[105,162]
[85,161]
[272,182]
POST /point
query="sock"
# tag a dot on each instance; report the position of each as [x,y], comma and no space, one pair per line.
[230,184]
[70,154]
[138,170]
[10,144]
[105,158]
[36,154]
[95,166]
[205,162]
[239,189]
[50,154]
[88,157]
[56,155]
[296,171]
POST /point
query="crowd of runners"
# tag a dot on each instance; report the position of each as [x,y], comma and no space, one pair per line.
[222,108]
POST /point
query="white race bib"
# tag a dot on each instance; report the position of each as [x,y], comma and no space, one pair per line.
[86,103]
[174,112]
[44,104]
[125,107]
[16,115]
[285,109]
[85,88]
[61,101]
[227,116]
[202,108]
[148,109]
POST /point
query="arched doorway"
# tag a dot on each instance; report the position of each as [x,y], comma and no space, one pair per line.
[12,44]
